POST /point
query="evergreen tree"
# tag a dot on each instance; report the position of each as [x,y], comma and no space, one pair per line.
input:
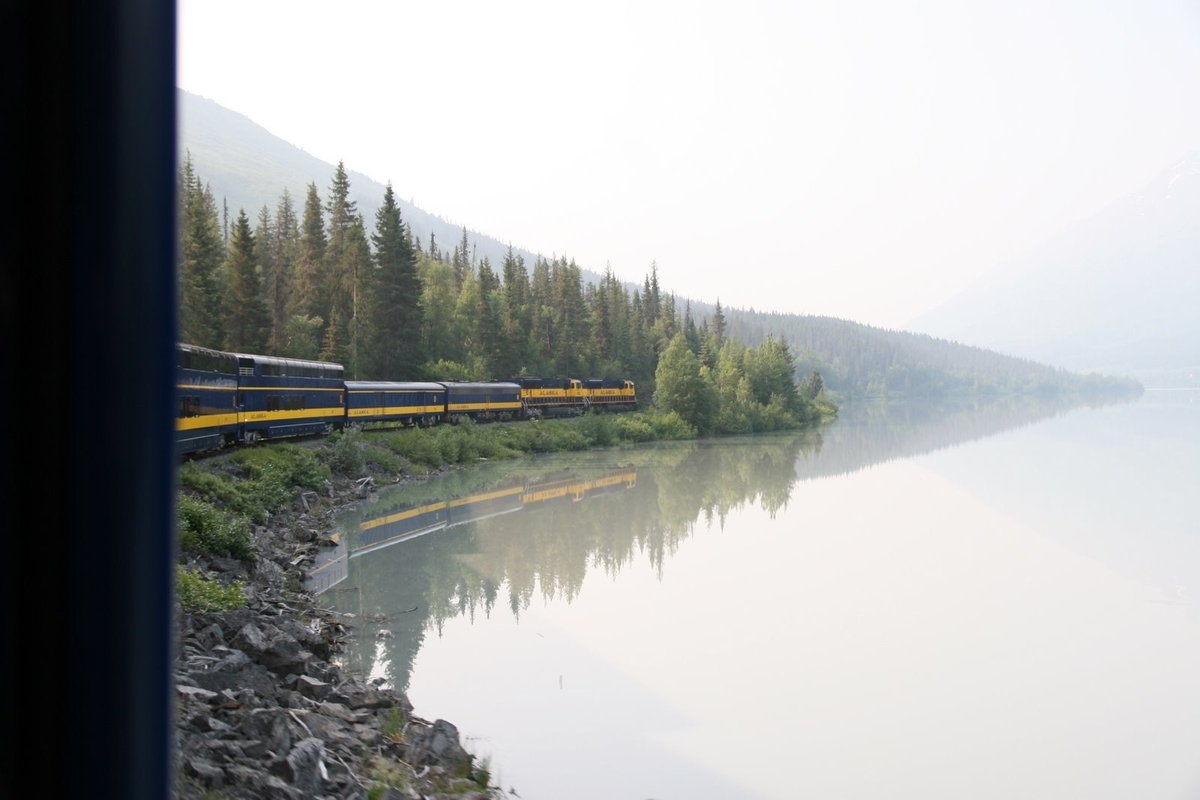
[541,327]
[308,297]
[652,297]
[487,321]
[689,329]
[514,315]
[284,244]
[771,370]
[461,260]
[344,261]
[247,319]
[339,286]
[441,338]
[641,347]
[718,326]
[569,315]
[200,254]
[395,313]
[812,386]
[264,257]
[617,299]
[601,325]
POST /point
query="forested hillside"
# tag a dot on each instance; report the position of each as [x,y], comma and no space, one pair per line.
[248,167]
[858,360]
[326,269]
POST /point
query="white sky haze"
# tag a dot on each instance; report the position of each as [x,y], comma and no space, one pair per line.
[861,160]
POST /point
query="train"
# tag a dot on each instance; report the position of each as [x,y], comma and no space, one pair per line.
[227,399]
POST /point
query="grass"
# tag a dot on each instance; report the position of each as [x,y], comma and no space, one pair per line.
[197,593]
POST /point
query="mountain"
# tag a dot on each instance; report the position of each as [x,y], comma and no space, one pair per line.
[248,167]
[1118,293]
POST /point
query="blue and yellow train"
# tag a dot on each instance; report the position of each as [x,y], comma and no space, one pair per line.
[239,398]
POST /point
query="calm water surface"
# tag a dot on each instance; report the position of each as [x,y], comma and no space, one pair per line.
[999,601]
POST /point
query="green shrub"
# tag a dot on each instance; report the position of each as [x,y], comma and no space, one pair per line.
[204,528]
[196,593]
[345,453]
[416,446]
[599,429]
[380,460]
[257,481]
[218,489]
[293,465]
[670,427]
[634,429]
[775,416]
[564,437]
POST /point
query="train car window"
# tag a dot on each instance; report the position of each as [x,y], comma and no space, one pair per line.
[189,406]
[272,402]
[294,403]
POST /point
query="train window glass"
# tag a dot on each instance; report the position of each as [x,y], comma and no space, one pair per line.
[272,402]
[294,402]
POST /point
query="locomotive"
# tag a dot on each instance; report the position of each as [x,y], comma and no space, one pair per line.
[241,398]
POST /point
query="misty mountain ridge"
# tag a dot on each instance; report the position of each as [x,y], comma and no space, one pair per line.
[248,168]
[1117,293]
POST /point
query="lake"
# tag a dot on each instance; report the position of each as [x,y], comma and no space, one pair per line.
[972,600]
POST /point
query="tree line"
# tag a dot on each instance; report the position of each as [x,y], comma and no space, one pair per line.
[321,283]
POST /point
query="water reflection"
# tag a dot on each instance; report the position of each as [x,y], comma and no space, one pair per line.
[575,513]
[918,601]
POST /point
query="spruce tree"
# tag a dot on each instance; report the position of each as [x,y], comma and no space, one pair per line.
[487,320]
[201,252]
[284,237]
[307,297]
[514,315]
[569,315]
[690,330]
[264,256]
[247,319]
[352,270]
[338,285]
[462,262]
[395,311]
[541,328]
[718,325]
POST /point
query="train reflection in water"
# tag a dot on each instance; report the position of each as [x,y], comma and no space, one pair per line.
[403,524]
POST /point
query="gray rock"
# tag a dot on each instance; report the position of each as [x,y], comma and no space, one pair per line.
[209,774]
[251,640]
[313,688]
[438,744]
[307,760]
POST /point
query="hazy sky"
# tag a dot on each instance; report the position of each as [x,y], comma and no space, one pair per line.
[862,160]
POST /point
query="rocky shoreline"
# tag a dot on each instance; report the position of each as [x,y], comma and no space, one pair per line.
[262,710]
